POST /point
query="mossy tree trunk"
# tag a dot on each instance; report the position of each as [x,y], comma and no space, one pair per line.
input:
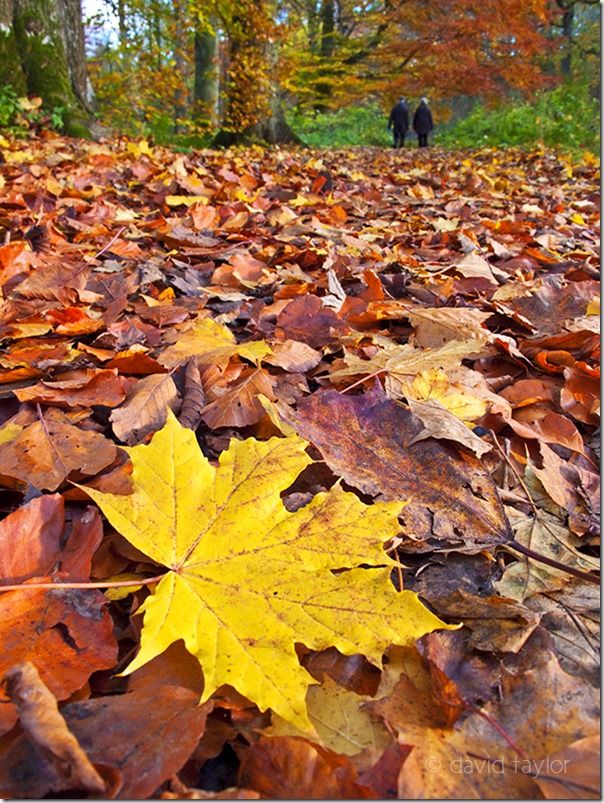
[206,83]
[11,73]
[34,31]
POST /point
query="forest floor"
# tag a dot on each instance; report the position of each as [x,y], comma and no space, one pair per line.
[428,321]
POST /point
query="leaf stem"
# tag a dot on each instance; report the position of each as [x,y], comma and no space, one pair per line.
[145,581]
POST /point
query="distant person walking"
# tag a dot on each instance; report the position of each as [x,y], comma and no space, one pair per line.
[422,123]
[399,122]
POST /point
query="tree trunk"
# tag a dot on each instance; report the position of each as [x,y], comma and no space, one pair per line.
[180,95]
[253,109]
[567,30]
[11,73]
[72,33]
[326,50]
[206,84]
[37,28]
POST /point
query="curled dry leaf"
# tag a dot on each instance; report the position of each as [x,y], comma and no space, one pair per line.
[158,725]
[44,726]
[194,399]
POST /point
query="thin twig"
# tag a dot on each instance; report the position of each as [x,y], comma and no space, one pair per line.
[364,379]
[110,243]
[145,581]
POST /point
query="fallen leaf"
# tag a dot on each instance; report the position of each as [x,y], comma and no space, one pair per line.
[45,454]
[93,387]
[145,408]
[211,343]
[237,404]
[66,633]
[340,720]
[546,535]
[160,726]
[194,399]
[441,423]
[45,727]
[30,539]
[434,385]
[282,767]
[368,440]
[210,548]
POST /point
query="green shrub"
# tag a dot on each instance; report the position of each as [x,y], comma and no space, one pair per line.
[354,125]
[567,117]
[18,115]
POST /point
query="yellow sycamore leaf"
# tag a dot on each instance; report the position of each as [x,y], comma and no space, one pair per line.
[139,148]
[211,342]
[434,384]
[247,579]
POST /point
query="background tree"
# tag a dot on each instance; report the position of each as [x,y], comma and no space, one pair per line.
[42,53]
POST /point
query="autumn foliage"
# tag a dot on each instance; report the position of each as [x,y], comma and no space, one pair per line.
[299,471]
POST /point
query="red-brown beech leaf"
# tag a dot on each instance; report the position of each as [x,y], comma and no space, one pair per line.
[66,633]
[287,767]
[30,539]
[104,387]
[368,440]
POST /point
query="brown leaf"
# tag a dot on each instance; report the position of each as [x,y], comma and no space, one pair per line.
[368,440]
[294,356]
[540,711]
[83,538]
[237,405]
[440,423]
[194,399]
[145,408]
[307,320]
[289,768]
[573,773]
[66,633]
[90,387]
[147,734]
[30,539]
[434,327]
[44,455]
[497,624]
[45,727]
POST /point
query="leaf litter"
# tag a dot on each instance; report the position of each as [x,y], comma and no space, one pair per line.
[388,396]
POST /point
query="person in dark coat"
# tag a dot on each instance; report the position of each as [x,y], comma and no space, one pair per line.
[399,122]
[422,123]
